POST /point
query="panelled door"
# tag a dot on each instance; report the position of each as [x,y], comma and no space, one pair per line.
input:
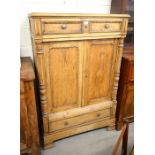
[99,66]
[64,74]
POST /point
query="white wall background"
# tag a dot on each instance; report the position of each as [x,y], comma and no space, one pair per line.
[55,6]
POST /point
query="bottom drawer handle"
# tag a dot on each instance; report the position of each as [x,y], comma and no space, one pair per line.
[66,123]
[98,115]
[106,26]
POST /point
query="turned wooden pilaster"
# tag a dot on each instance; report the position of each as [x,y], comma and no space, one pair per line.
[42,83]
[117,74]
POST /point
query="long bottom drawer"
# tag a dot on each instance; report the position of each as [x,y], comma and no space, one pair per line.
[77,120]
[51,137]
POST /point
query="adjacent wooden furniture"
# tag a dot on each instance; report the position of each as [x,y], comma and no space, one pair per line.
[125,6]
[29,142]
[78,58]
[125,96]
[132,152]
[124,138]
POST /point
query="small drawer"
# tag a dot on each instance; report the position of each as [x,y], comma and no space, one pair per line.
[78,120]
[97,27]
[62,28]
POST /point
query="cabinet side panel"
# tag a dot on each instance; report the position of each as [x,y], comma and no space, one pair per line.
[129,100]
[24,122]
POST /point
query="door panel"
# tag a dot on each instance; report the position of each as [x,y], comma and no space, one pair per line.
[99,73]
[65,74]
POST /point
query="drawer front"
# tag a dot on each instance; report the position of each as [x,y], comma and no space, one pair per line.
[62,27]
[66,123]
[97,27]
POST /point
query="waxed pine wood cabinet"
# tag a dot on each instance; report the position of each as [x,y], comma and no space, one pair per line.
[77,57]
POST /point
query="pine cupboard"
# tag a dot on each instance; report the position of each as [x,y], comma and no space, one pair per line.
[78,58]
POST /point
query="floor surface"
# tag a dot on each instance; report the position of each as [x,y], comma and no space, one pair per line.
[96,142]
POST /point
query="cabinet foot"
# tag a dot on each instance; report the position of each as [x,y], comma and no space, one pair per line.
[48,146]
[109,128]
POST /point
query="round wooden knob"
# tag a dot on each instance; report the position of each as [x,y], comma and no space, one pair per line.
[86,75]
[66,123]
[106,26]
[98,115]
[63,26]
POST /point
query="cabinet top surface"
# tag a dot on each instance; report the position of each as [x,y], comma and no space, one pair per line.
[43,14]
